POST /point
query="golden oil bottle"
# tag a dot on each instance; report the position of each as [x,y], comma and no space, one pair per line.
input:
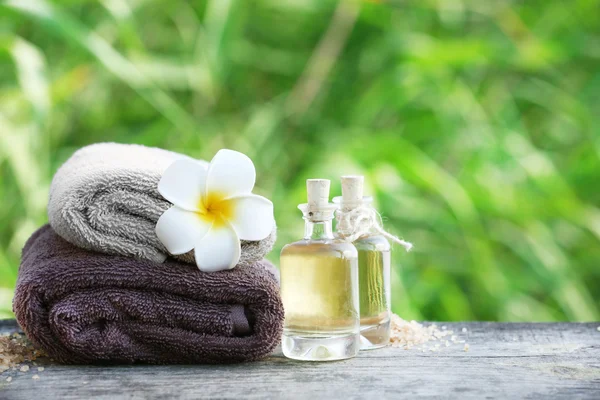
[319,286]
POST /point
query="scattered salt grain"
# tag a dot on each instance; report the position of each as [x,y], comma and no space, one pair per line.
[406,335]
[598,329]
[40,369]
[464,330]
[9,379]
[15,351]
[467,347]
[36,377]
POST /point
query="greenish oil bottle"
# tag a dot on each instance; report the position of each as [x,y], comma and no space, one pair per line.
[373,262]
[374,290]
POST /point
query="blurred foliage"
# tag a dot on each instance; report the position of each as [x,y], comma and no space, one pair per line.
[476,124]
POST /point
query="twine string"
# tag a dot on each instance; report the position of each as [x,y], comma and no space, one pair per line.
[361,221]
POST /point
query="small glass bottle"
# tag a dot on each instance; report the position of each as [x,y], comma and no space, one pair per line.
[319,286]
[373,265]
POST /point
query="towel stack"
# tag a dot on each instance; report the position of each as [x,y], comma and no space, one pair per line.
[96,285]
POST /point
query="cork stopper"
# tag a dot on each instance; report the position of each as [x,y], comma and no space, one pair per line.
[317,191]
[352,188]
[318,208]
[352,192]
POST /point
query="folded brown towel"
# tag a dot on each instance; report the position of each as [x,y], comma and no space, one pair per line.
[86,307]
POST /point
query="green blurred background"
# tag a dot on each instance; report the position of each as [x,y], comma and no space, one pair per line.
[475,123]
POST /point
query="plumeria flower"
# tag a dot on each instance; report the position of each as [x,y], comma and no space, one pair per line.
[213,208]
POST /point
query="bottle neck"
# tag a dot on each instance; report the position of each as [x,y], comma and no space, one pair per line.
[318,230]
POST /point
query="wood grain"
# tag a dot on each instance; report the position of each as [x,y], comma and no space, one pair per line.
[505,360]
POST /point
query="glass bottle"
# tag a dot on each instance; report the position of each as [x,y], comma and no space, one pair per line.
[373,264]
[319,286]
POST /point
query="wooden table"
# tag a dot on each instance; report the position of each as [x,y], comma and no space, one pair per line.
[505,360]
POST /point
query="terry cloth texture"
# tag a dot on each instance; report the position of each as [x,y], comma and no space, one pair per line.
[105,198]
[87,307]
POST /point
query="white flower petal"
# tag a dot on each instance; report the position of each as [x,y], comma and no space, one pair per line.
[230,173]
[252,216]
[180,230]
[183,183]
[220,249]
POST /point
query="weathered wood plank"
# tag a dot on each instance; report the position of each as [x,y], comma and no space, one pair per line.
[8,326]
[505,360]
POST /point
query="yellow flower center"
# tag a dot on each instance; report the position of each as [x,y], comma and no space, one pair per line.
[214,208]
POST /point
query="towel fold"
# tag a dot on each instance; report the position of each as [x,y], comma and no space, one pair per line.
[105,198]
[87,307]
